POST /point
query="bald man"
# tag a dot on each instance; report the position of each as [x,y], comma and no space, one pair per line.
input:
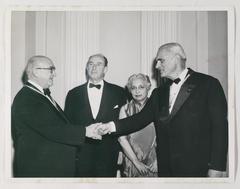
[190,116]
[44,140]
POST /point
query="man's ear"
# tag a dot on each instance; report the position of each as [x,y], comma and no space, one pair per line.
[35,72]
[178,56]
[105,70]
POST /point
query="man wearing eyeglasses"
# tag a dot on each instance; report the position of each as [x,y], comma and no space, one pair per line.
[190,117]
[44,140]
[96,101]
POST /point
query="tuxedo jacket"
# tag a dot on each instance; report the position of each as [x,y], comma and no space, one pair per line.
[194,136]
[96,158]
[44,140]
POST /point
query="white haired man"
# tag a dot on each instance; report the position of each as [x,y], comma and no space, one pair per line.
[190,118]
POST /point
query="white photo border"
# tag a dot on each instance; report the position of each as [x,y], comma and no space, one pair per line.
[232,108]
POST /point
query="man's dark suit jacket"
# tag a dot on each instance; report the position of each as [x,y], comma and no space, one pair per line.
[194,137]
[96,158]
[44,141]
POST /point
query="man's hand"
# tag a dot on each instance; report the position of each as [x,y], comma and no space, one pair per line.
[106,128]
[215,173]
[92,131]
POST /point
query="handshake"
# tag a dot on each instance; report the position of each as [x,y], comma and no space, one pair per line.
[96,130]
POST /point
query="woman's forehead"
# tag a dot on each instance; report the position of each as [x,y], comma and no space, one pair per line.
[138,80]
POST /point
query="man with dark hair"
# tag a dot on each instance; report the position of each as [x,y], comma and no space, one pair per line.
[96,101]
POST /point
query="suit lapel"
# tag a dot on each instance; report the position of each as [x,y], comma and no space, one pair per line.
[164,102]
[57,109]
[104,100]
[87,100]
[61,112]
[186,90]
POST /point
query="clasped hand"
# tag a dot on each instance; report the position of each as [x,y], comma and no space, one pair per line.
[96,130]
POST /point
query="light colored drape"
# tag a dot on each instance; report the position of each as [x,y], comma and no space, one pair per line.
[129,39]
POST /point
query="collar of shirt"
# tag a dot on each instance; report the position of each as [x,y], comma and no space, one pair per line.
[36,85]
[182,77]
[42,92]
[175,88]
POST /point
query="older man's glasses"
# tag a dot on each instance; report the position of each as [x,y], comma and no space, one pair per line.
[51,69]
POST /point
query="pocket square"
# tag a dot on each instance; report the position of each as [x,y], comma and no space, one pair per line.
[115,107]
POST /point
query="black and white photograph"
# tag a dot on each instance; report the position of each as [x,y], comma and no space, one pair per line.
[104,96]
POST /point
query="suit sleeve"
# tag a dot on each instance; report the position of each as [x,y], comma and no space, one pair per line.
[138,121]
[217,107]
[47,123]
[122,112]
[68,106]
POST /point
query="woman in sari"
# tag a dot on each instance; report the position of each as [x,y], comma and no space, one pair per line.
[139,155]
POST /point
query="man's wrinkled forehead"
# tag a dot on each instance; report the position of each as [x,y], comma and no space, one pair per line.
[43,62]
[162,52]
[96,59]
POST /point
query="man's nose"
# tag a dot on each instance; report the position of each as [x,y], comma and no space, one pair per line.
[158,65]
[54,74]
[137,90]
[94,67]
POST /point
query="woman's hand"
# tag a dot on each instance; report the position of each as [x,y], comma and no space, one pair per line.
[141,167]
[153,167]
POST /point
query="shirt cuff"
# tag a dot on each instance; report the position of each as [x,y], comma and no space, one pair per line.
[112,127]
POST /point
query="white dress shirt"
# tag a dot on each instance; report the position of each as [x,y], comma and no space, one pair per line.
[175,88]
[95,96]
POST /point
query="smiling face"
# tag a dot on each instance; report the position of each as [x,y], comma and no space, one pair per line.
[139,90]
[96,69]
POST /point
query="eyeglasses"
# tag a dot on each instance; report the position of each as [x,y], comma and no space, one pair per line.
[52,69]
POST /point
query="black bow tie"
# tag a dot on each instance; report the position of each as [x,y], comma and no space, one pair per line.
[176,81]
[92,85]
[47,92]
